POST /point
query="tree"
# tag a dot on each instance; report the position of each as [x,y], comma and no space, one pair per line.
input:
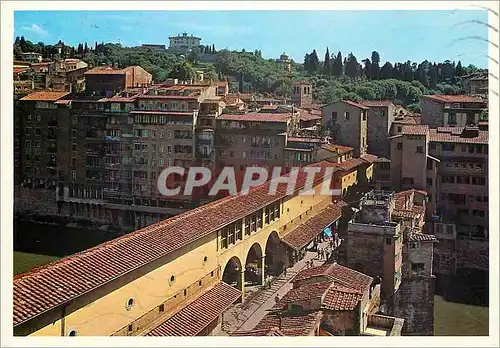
[337,67]
[433,76]
[352,67]
[22,44]
[459,71]
[183,71]
[86,49]
[387,71]
[375,68]
[367,70]
[213,49]
[327,68]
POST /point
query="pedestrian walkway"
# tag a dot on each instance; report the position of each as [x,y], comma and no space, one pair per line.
[246,315]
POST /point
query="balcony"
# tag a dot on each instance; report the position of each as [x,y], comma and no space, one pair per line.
[202,141]
[204,155]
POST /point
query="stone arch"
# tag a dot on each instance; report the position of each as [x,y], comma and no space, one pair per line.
[276,254]
[254,265]
[232,272]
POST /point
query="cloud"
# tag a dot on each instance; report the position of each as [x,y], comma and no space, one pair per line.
[36,30]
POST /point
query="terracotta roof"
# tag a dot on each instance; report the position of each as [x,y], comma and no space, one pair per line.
[193,318]
[19,70]
[421,237]
[256,333]
[338,273]
[340,149]
[174,97]
[304,292]
[443,135]
[455,98]
[44,96]
[369,158]
[291,325]
[349,164]
[40,64]
[315,107]
[256,117]
[105,71]
[349,102]
[61,281]
[377,103]
[305,233]
[221,83]
[298,150]
[342,298]
[402,196]
[406,120]
[308,116]
[415,129]
[406,214]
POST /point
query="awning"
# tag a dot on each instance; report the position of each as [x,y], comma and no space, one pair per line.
[327,232]
[303,234]
[193,318]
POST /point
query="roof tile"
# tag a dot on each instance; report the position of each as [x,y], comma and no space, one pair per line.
[193,318]
[45,96]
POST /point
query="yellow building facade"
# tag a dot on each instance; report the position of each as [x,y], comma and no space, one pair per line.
[142,298]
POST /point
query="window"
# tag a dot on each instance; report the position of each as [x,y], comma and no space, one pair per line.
[334,116]
[200,283]
[185,292]
[478,213]
[399,129]
[130,328]
[399,146]
[420,149]
[172,280]
[429,182]
[364,115]
[414,245]
[73,175]
[37,131]
[463,212]
[417,267]
[448,147]
[388,241]
[347,115]
[130,303]
[169,148]
[72,333]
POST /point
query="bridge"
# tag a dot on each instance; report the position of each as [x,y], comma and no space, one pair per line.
[140,282]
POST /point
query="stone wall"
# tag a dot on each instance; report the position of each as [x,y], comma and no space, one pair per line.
[444,262]
[472,254]
[415,304]
[35,201]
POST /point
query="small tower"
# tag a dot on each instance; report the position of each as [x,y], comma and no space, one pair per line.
[302,93]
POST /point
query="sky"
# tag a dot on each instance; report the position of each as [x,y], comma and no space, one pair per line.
[397,35]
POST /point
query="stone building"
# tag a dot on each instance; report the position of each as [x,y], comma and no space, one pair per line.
[347,123]
[381,243]
[381,114]
[302,93]
[452,110]
[329,300]
[476,83]
[182,44]
[107,81]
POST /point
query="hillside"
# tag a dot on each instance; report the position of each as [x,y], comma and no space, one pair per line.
[333,78]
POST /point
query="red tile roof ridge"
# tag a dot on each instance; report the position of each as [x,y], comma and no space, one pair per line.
[346,289]
[350,102]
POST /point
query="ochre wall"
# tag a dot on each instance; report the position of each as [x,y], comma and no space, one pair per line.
[109,315]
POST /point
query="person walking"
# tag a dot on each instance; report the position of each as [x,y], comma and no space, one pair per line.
[284,272]
[319,253]
[277,299]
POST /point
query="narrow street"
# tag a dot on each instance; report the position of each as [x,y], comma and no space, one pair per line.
[245,316]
